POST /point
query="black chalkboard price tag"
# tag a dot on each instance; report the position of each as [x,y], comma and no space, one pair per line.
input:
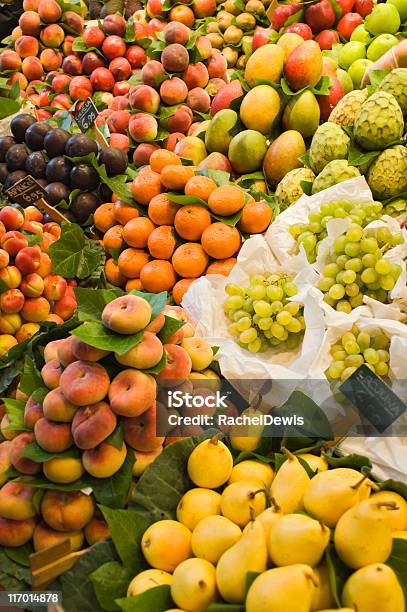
[373,398]
[27,192]
[86,115]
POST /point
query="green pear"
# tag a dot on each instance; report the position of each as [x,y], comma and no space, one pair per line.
[363,534]
[289,485]
[249,554]
[243,500]
[282,589]
[330,493]
[297,538]
[374,588]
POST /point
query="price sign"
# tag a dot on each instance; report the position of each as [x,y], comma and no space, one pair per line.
[86,115]
[27,192]
[373,398]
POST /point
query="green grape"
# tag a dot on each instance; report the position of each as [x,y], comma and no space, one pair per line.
[292,341]
[339,354]
[380,341]
[274,278]
[349,276]
[373,286]
[369,275]
[383,267]
[326,208]
[284,318]
[340,213]
[256,318]
[290,288]
[369,260]
[381,295]
[234,290]
[363,339]
[233,329]
[387,282]
[239,314]
[329,301]
[381,368]
[395,271]
[326,220]
[257,292]
[265,323]
[234,301]
[315,216]
[354,264]
[383,234]
[331,269]
[354,233]
[249,335]
[302,321]
[341,261]
[377,207]
[274,293]
[255,346]
[268,334]
[248,305]
[274,341]
[368,245]
[244,323]
[352,290]
[359,281]
[339,277]
[294,326]
[277,330]
[348,372]
[371,356]
[324,284]
[383,355]
[348,337]
[356,301]
[336,292]
[396,239]
[344,306]
[352,249]
[262,308]
[352,348]
[335,369]
[315,227]
[354,361]
[276,306]
[309,242]
[292,307]
[257,279]
[339,244]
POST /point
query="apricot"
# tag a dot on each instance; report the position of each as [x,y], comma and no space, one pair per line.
[44,537]
[13,242]
[65,307]
[67,510]
[140,432]
[127,314]
[32,412]
[11,301]
[35,309]
[32,285]
[8,434]
[144,355]
[5,463]
[57,408]
[84,382]
[16,501]
[27,46]
[144,459]
[93,424]
[18,444]
[96,531]
[54,287]
[52,436]
[9,325]
[104,461]
[63,470]
[51,373]
[16,533]
[132,392]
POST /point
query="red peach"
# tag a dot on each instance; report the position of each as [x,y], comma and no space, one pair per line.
[28,260]
[9,60]
[67,45]
[225,96]
[74,22]
[144,355]
[113,46]
[140,432]
[18,444]
[204,46]
[60,83]
[91,61]
[16,533]
[204,8]
[22,81]
[84,382]
[104,460]
[154,8]
[132,392]
[173,91]
[52,436]
[154,26]
[67,510]
[85,352]
[72,65]
[136,56]
[181,120]
[120,141]
[198,100]
[64,351]
[196,75]
[120,68]
[114,24]
[57,408]
[143,127]
[172,140]
[156,324]
[62,102]
[51,373]
[93,37]
[49,11]
[31,5]
[178,366]
[13,242]
[51,350]
[153,73]
[32,68]
[118,121]
[35,309]
[143,152]
[52,36]
[216,65]
[93,424]
[16,33]
[11,217]
[102,79]
[80,88]
[27,46]
[119,103]
[175,58]
[127,314]
[176,32]
[11,301]
[32,412]
[30,23]
[145,98]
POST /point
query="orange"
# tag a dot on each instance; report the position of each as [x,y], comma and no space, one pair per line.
[190,260]
[161,242]
[158,275]
[137,231]
[256,217]
[113,274]
[200,186]
[227,200]
[131,261]
[221,241]
[222,266]
[191,220]
[113,239]
[103,217]
[134,284]
[161,158]
[161,210]
[176,177]
[180,288]
[146,185]
[124,212]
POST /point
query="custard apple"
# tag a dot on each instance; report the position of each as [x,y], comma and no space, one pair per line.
[289,189]
[379,122]
[396,208]
[335,172]
[345,111]
[395,83]
[328,143]
[387,175]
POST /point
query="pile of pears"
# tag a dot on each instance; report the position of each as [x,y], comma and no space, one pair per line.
[248,536]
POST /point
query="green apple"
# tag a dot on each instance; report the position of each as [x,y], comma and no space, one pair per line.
[357,70]
[401,6]
[344,79]
[361,34]
[380,45]
[350,52]
[384,19]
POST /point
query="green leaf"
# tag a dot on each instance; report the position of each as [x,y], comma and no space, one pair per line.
[219,176]
[127,528]
[15,412]
[158,368]
[8,107]
[353,461]
[13,576]
[338,572]
[398,562]
[376,77]
[171,326]
[306,186]
[34,452]
[294,18]
[99,336]
[32,238]
[157,301]
[358,157]
[74,255]
[91,302]
[394,485]
[114,491]
[116,437]
[185,199]
[110,582]
[31,378]
[20,554]
[157,599]
[304,159]
[80,45]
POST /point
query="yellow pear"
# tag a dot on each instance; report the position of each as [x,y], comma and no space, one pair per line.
[398,517]
[247,437]
[363,535]
[213,536]
[323,596]
[374,588]
[333,610]
[252,470]
[399,535]
[268,518]
[297,538]
[243,500]
[193,585]
[316,462]
[195,505]
[210,464]
[165,544]
[148,580]
[249,554]
[330,493]
[289,485]
[282,589]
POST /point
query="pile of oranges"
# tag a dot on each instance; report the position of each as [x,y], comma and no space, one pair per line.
[174,244]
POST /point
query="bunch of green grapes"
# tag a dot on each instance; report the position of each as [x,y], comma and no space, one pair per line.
[356,348]
[356,267]
[313,232]
[261,314]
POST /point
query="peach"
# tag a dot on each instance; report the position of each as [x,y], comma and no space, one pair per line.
[28,260]
[30,23]
[154,8]
[180,121]
[72,65]
[84,351]
[32,285]
[156,324]
[49,11]
[153,73]
[45,265]
[113,46]
[204,46]
[91,61]
[63,470]
[64,351]
[84,382]
[145,98]
[27,46]
[120,141]
[16,533]
[5,463]
[11,276]
[132,392]
[144,355]
[65,307]
[216,65]
[67,45]
[196,75]
[93,36]
[96,531]
[176,33]
[173,91]
[143,127]
[172,140]
[136,56]
[200,352]
[104,461]
[12,301]
[19,443]
[32,412]
[67,510]
[144,459]
[54,287]
[16,501]
[51,373]
[119,103]
[13,242]
[57,408]
[74,22]
[45,537]
[52,36]
[175,58]
[143,152]
[32,68]
[118,121]
[93,424]
[140,432]
[127,314]
[35,309]
[4,258]
[178,366]
[11,217]
[51,350]
[50,59]
[198,100]
[120,68]
[80,88]
[31,5]
[8,434]
[114,24]
[204,8]
[54,318]
[52,436]
[9,324]
[9,60]
[216,161]
[102,79]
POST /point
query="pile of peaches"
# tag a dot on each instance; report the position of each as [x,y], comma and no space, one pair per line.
[30,293]
[83,407]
